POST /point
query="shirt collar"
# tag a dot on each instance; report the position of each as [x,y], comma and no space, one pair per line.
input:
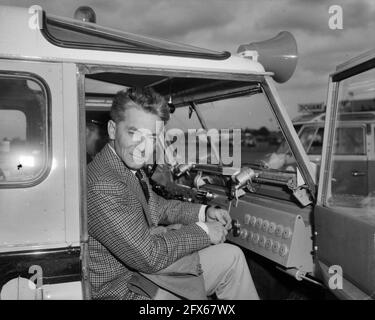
[114,151]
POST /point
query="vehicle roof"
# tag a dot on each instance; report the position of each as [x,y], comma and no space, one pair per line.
[72,33]
[18,40]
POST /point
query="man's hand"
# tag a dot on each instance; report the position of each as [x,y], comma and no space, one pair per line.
[164,229]
[216,232]
[220,215]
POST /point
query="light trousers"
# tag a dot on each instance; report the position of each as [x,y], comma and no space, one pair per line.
[225,273]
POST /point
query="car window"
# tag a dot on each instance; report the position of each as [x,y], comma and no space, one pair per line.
[23,130]
[254,132]
[241,131]
[350,177]
[317,143]
[177,139]
[350,141]
[307,136]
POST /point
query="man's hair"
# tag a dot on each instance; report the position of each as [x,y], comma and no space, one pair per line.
[145,99]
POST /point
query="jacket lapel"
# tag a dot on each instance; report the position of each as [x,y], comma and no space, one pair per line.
[114,161]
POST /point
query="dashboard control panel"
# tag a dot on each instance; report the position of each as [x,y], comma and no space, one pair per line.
[277,235]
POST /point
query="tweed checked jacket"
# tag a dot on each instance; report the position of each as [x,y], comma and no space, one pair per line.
[119,225]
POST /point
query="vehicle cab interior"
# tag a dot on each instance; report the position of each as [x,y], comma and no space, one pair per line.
[206,160]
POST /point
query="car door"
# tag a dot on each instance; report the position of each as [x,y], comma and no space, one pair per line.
[344,216]
[351,161]
[39,181]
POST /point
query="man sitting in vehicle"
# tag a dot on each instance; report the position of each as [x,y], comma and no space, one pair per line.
[141,245]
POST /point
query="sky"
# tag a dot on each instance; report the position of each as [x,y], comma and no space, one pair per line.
[225,24]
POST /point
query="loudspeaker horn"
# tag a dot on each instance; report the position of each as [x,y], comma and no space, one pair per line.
[278,55]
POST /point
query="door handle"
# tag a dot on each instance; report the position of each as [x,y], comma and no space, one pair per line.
[356,173]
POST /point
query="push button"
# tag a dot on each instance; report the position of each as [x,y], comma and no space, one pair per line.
[265,225]
[262,241]
[276,247]
[259,223]
[287,233]
[255,238]
[269,244]
[272,227]
[283,250]
[247,218]
[253,220]
[250,236]
[243,234]
[279,230]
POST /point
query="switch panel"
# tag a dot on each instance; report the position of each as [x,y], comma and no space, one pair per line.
[280,236]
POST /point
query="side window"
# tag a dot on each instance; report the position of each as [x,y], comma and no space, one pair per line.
[317,144]
[23,130]
[351,173]
[306,136]
[350,141]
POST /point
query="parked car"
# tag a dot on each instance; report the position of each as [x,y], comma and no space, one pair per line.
[353,147]
[249,140]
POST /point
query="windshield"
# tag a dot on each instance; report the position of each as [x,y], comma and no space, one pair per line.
[240,131]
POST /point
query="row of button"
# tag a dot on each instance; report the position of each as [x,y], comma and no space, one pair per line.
[264,242]
[267,226]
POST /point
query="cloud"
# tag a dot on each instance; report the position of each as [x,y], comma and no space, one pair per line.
[313,16]
[358,15]
[225,24]
[168,18]
[299,17]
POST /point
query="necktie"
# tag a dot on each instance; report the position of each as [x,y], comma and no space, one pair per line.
[143,185]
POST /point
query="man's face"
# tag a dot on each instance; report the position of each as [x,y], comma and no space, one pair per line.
[134,137]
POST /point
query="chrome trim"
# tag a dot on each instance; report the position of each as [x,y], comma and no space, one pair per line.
[327,148]
[248,77]
[81,71]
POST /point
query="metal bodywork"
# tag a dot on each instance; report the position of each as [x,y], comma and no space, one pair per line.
[46,215]
[344,235]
